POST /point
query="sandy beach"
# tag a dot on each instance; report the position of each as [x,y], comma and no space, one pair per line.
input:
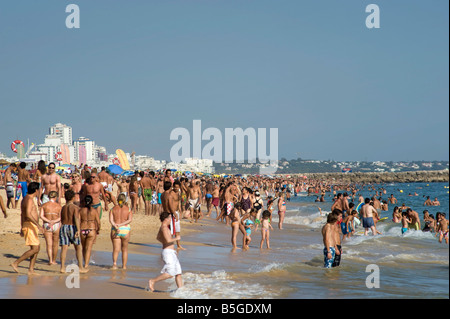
[101,281]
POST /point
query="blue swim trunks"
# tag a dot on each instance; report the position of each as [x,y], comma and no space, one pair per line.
[368,222]
[344,229]
[328,263]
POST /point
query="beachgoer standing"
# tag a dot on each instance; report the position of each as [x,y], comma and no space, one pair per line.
[30,228]
[120,218]
[50,213]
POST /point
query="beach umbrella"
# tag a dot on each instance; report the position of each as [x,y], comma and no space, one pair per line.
[115,169]
[128,173]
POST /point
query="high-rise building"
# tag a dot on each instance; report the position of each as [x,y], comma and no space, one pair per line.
[63,131]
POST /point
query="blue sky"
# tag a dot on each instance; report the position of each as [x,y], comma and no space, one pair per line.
[136,70]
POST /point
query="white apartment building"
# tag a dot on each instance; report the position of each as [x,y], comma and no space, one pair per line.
[63,131]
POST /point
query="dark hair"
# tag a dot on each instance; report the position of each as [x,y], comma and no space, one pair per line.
[69,195]
[176,182]
[41,167]
[88,200]
[23,165]
[332,218]
[336,212]
[367,200]
[266,214]
[33,187]
[163,216]
[167,185]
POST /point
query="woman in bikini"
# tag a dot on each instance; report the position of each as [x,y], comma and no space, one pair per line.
[235,217]
[134,191]
[281,209]
[50,213]
[90,228]
[120,218]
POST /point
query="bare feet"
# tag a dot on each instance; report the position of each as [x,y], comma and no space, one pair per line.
[151,285]
[14,266]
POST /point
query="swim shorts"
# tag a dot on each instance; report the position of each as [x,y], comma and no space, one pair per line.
[9,189]
[171,263]
[328,263]
[67,235]
[337,258]
[368,222]
[30,233]
[215,201]
[404,230]
[148,194]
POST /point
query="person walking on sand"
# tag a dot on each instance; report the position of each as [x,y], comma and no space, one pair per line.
[69,232]
[50,213]
[120,218]
[30,228]
[172,267]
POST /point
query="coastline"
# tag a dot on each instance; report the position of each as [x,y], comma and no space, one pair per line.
[382,177]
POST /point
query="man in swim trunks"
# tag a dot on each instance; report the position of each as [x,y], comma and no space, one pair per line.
[367,212]
[147,192]
[50,182]
[195,200]
[30,228]
[9,185]
[329,240]
[415,220]
[23,177]
[94,189]
[442,229]
[172,265]
[69,232]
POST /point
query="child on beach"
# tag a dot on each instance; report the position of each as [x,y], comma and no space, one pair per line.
[442,228]
[265,232]
[405,222]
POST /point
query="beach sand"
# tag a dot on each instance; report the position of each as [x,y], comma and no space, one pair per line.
[101,281]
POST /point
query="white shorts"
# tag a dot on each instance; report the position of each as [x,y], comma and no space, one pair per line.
[171,263]
[177,223]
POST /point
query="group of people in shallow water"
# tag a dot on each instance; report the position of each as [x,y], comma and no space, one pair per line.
[344,218]
[238,202]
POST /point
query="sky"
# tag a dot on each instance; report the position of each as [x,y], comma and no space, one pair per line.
[136,70]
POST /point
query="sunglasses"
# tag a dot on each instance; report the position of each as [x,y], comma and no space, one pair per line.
[51,167]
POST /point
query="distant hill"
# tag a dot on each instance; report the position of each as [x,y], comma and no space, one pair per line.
[298,166]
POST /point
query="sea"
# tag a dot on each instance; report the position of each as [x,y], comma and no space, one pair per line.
[386,266]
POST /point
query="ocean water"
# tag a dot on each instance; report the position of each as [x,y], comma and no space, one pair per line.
[414,265]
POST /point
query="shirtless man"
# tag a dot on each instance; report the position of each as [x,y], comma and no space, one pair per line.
[415,220]
[9,185]
[367,212]
[329,240]
[123,187]
[147,192]
[76,188]
[216,199]
[50,213]
[106,179]
[195,200]
[120,218]
[85,173]
[94,189]
[70,231]
[209,196]
[23,177]
[172,265]
[30,228]
[338,203]
[428,202]
[435,202]
[50,182]
[228,203]
[392,199]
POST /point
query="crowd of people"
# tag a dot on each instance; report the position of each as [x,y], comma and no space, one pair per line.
[71,213]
